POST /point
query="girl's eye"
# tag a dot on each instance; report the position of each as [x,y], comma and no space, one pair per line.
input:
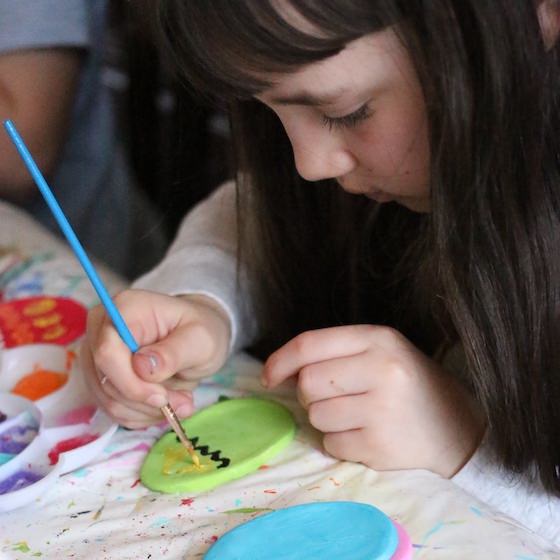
[347,121]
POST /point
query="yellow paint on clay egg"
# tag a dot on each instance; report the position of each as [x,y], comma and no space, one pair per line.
[176,460]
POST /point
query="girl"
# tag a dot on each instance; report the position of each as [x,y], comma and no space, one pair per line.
[395,244]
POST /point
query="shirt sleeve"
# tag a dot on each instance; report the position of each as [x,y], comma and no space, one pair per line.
[523,500]
[203,260]
[34,24]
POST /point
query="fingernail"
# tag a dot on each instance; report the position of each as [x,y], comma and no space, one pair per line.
[184,411]
[157,400]
[148,362]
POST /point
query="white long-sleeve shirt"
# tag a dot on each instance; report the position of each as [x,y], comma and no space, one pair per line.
[202,260]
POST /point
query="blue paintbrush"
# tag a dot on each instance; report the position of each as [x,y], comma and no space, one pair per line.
[89,269]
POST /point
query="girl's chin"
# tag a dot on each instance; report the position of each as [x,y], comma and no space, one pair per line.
[380,197]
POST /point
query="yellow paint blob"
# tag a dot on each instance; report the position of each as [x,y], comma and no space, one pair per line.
[177,460]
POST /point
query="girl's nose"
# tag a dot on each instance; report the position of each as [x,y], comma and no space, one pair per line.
[322,159]
[319,153]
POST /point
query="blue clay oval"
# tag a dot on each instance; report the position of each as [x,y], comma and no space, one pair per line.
[322,531]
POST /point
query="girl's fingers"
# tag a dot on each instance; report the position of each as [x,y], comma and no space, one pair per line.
[176,383]
[177,346]
[148,315]
[125,413]
[315,346]
[335,377]
[183,351]
[182,403]
[133,415]
[348,446]
[92,376]
[113,358]
[179,398]
[340,414]
[110,391]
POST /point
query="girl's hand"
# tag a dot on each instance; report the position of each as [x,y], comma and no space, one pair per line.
[379,400]
[181,339]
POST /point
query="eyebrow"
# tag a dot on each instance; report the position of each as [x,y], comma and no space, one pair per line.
[306,98]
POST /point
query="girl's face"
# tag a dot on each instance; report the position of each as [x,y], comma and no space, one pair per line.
[359,117]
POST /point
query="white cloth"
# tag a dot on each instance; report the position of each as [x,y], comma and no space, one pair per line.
[202,259]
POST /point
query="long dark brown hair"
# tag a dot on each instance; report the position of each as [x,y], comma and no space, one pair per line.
[482,268]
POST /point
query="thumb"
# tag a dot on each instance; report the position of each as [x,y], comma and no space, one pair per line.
[187,347]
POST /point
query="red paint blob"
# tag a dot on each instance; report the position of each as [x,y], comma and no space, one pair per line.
[39,384]
[187,501]
[69,444]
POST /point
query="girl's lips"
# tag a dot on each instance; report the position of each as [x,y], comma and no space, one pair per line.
[374,194]
[379,196]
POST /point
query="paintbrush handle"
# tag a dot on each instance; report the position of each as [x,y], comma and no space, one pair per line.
[174,422]
[73,240]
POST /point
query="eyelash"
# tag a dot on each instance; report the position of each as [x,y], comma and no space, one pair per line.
[347,121]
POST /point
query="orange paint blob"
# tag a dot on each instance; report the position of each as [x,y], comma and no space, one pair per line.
[39,384]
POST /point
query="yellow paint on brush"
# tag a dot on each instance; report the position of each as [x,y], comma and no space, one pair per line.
[194,457]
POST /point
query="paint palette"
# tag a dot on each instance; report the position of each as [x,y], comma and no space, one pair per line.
[233,437]
[317,531]
[44,437]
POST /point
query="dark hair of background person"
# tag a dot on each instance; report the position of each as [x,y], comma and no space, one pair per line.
[482,267]
[178,143]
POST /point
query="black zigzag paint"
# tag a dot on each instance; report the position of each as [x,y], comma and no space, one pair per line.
[205,450]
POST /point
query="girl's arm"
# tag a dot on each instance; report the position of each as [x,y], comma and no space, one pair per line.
[203,260]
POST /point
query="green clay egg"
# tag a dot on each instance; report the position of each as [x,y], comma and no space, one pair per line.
[232,438]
